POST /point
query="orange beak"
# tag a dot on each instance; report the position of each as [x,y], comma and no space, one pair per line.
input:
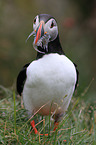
[39,31]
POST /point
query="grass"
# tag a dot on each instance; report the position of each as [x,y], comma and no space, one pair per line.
[78,126]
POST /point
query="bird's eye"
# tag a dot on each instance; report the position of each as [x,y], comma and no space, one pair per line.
[34,21]
[52,25]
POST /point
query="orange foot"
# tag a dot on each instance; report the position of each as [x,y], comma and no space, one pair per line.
[33,126]
[35,129]
[36,132]
[56,125]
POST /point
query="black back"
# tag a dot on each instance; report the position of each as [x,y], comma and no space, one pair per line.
[21,79]
[77,76]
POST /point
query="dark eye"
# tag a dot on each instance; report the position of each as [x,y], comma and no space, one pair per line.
[52,25]
[34,21]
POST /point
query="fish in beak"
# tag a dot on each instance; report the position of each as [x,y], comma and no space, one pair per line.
[39,32]
[41,38]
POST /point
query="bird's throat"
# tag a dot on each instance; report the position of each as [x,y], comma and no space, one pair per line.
[53,47]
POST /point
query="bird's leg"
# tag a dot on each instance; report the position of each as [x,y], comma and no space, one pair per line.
[35,129]
[57,118]
[33,126]
[55,125]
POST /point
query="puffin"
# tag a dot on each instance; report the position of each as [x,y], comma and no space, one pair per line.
[47,83]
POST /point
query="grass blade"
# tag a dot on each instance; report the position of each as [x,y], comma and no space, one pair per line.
[94,129]
[14,112]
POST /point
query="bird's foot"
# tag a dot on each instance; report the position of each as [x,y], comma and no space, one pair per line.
[35,129]
[55,125]
[33,126]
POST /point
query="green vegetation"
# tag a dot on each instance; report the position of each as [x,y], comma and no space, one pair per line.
[77,127]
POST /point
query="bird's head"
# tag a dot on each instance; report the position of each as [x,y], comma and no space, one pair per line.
[45,30]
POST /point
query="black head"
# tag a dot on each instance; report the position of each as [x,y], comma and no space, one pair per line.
[46,37]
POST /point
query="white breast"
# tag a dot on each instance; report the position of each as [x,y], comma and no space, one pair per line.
[50,80]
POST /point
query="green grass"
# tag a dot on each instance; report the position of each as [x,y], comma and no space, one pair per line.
[78,127]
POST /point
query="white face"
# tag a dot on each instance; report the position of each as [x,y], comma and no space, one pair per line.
[50,27]
[35,22]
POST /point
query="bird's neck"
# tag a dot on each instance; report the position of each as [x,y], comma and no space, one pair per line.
[53,47]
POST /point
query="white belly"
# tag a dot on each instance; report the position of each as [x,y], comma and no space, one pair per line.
[51,81]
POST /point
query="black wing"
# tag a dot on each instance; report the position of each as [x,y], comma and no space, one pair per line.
[21,79]
[77,76]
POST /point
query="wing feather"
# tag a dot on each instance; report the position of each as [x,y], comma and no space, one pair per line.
[21,78]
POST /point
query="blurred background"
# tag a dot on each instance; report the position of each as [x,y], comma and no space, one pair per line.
[77,30]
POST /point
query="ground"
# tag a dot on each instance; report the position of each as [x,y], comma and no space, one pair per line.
[77,127]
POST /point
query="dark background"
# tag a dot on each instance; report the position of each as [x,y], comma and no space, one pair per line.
[77,30]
